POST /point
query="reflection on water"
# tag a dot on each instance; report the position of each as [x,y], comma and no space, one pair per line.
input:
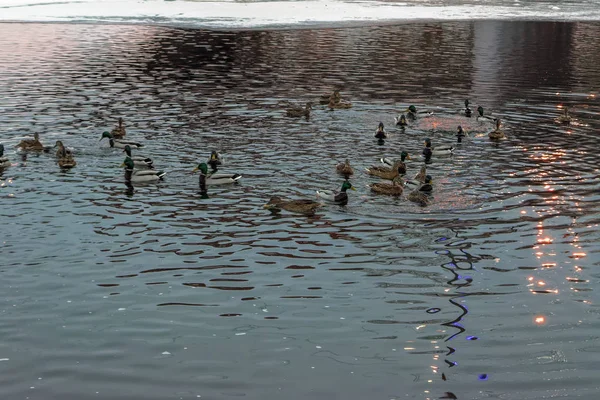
[149,291]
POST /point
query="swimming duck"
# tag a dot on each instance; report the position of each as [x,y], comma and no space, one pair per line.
[496,133]
[344,168]
[139,161]
[31,144]
[401,121]
[485,118]
[412,113]
[380,133]
[218,179]
[393,189]
[295,112]
[403,157]
[419,178]
[339,104]
[426,185]
[302,206]
[214,160]
[119,131]
[64,156]
[418,197]
[467,109]
[327,98]
[4,161]
[119,143]
[565,118]
[136,175]
[386,172]
[444,150]
[340,197]
[460,134]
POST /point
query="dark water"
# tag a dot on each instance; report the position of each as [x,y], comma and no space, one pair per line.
[159,294]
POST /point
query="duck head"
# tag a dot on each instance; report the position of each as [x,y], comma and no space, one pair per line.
[309,105]
[59,144]
[128,163]
[202,167]
[480,111]
[467,103]
[459,131]
[274,203]
[497,123]
[127,150]
[106,134]
[427,142]
[404,156]
[214,156]
[428,179]
[347,185]
[380,127]
[412,109]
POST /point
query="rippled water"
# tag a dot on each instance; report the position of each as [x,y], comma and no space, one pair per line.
[159,294]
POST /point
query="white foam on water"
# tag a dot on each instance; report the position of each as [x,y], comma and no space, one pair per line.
[233,14]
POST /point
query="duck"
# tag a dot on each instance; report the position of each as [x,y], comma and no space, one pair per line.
[326,98]
[380,133]
[345,168]
[119,143]
[419,197]
[119,131]
[403,156]
[62,151]
[412,113]
[340,197]
[467,110]
[444,150]
[301,206]
[214,160]
[386,172]
[218,179]
[339,104]
[484,118]
[496,133]
[565,118]
[295,112]
[139,161]
[395,188]
[419,178]
[401,121]
[4,161]
[64,156]
[136,175]
[460,134]
[426,185]
[31,144]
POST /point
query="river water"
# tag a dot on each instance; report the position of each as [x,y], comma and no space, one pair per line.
[151,292]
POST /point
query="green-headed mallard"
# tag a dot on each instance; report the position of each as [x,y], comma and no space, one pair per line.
[344,168]
[425,185]
[395,188]
[340,197]
[339,104]
[119,131]
[460,134]
[380,133]
[496,133]
[4,161]
[444,150]
[136,175]
[119,143]
[327,98]
[418,197]
[31,144]
[139,161]
[217,179]
[467,110]
[484,118]
[64,156]
[402,165]
[302,206]
[387,172]
[565,118]
[412,113]
[295,112]
[401,121]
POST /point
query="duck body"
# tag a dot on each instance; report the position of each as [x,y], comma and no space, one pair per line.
[565,118]
[395,188]
[327,98]
[484,118]
[443,150]
[340,104]
[4,161]
[424,185]
[399,164]
[419,197]
[31,144]
[412,113]
[296,112]
[401,121]
[344,168]
[380,133]
[120,143]
[467,111]
[222,179]
[386,172]
[139,162]
[418,180]
[302,206]
[497,133]
[336,197]
[65,159]
[146,175]
[119,131]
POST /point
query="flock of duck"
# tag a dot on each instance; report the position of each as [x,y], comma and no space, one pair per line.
[392,172]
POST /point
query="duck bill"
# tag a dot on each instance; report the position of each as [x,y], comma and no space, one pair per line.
[353,188]
[195,169]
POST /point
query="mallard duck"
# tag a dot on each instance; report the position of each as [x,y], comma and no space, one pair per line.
[62,151]
[402,165]
[395,188]
[327,98]
[565,118]
[295,112]
[217,179]
[214,160]
[460,134]
[119,131]
[339,104]
[496,133]
[31,144]
[136,175]
[4,161]
[344,168]
[340,197]
[380,133]
[419,178]
[467,109]
[302,206]
[418,197]
[119,143]
[386,172]
[412,113]
[426,185]
[401,121]
[484,118]
[64,156]
[444,150]
[139,161]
